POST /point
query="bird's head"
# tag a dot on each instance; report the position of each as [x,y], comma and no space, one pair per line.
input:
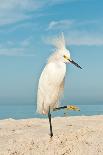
[63,52]
[67,59]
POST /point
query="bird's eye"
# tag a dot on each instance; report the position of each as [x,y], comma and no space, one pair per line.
[65,56]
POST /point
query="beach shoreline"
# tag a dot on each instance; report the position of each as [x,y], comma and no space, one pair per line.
[74,135]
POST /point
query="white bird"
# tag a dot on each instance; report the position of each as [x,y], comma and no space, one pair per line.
[51,82]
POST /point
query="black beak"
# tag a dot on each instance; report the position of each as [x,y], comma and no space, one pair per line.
[74,63]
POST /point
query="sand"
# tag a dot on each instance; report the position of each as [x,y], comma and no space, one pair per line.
[78,135]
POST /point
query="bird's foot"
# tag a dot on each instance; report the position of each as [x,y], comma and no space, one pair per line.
[72,107]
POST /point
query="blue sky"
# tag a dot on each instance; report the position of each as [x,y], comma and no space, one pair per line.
[26,28]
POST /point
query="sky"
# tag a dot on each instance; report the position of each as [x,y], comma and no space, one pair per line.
[26,30]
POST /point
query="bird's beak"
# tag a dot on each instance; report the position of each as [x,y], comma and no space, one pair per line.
[71,61]
[74,63]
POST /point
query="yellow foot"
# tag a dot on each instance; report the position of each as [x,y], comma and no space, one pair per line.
[72,107]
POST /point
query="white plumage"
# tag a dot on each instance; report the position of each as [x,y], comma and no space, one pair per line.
[51,82]
[50,86]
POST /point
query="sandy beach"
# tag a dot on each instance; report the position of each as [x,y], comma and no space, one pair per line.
[78,135]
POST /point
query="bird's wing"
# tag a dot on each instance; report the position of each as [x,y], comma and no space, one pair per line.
[62,87]
[43,88]
[51,85]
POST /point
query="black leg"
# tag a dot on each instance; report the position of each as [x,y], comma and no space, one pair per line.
[68,107]
[49,116]
[59,108]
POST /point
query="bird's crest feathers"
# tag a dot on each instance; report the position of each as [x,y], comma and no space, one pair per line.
[59,42]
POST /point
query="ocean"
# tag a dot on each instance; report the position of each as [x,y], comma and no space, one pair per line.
[23,111]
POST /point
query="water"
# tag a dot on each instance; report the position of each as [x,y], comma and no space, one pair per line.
[22,111]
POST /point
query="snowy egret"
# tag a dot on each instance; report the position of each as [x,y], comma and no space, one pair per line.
[51,82]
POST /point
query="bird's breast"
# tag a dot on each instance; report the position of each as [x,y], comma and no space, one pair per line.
[57,72]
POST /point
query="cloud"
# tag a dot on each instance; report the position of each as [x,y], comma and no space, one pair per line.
[11,51]
[61,24]
[26,42]
[12,18]
[55,2]
[79,38]
[14,11]
[22,48]
[19,51]
[84,38]
[17,5]
[86,32]
[71,24]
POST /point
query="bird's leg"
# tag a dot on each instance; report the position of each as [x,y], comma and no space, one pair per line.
[68,107]
[59,108]
[49,116]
